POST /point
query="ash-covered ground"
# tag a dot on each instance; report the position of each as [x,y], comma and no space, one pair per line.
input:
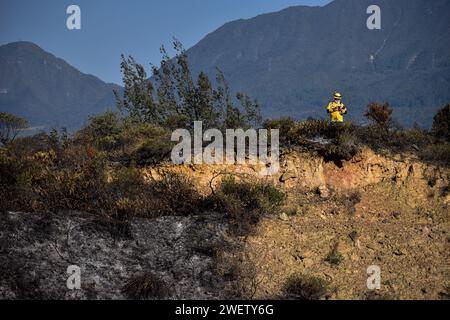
[116,259]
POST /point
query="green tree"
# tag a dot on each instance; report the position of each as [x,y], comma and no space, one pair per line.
[204,101]
[251,110]
[138,96]
[185,99]
[232,116]
[174,99]
[10,126]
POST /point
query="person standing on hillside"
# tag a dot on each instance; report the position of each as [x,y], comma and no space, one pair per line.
[337,109]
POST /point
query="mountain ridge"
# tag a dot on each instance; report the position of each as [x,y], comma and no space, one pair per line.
[47,90]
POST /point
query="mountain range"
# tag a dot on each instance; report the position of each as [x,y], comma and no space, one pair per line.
[292,61]
[46,90]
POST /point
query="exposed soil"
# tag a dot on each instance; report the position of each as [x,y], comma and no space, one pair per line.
[411,247]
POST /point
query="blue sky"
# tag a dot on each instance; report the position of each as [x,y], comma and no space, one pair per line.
[112,27]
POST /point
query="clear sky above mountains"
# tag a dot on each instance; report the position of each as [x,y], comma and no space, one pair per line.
[136,27]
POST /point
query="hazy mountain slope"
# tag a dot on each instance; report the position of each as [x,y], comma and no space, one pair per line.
[294,59]
[46,90]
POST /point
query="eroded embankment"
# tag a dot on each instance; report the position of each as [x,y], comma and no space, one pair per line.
[371,210]
[305,171]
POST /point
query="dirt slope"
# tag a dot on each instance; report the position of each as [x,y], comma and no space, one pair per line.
[390,212]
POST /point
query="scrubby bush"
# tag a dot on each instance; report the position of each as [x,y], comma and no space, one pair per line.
[80,177]
[156,148]
[245,202]
[305,287]
[341,141]
[126,182]
[285,125]
[313,128]
[126,140]
[80,187]
[415,140]
[376,295]
[309,129]
[416,137]
[441,124]
[252,194]
[27,145]
[105,130]
[344,147]
[174,194]
[439,152]
[374,136]
[16,177]
[379,114]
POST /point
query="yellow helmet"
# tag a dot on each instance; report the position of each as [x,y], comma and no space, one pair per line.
[337,96]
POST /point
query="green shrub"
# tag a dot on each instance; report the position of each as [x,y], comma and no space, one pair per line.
[285,125]
[253,195]
[144,144]
[341,141]
[374,136]
[104,130]
[244,202]
[413,137]
[153,151]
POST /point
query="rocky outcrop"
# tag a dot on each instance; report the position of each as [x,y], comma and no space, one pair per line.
[305,171]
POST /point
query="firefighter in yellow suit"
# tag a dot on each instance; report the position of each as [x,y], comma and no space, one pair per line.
[337,109]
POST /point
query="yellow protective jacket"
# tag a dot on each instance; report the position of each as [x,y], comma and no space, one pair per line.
[336,111]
